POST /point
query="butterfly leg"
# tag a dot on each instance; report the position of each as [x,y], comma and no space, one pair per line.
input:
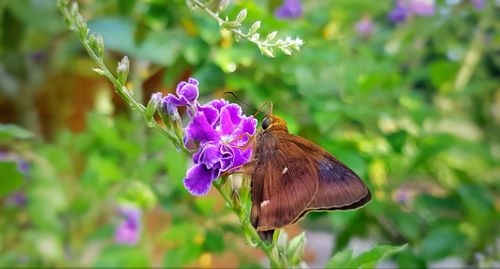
[246,168]
[268,103]
[250,142]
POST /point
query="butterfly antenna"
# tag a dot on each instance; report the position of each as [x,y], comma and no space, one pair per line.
[250,106]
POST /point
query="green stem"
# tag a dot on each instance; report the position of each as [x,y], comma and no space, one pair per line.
[237,32]
[473,55]
[121,89]
[248,228]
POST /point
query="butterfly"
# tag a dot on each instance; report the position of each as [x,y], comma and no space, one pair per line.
[291,176]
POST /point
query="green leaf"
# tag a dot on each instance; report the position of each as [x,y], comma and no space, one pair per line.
[367,259]
[214,242]
[122,256]
[372,257]
[11,131]
[441,242]
[11,178]
[341,259]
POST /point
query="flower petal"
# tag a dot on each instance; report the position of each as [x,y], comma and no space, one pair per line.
[210,155]
[227,157]
[199,129]
[230,117]
[218,103]
[198,180]
[177,101]
[124,234]
[189,92]
[211,114]
[247,125]
[289,9]
[241,156]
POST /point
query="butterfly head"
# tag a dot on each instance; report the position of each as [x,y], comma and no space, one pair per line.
[273,122]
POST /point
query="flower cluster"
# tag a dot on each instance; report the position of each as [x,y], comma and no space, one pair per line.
[405,8]
[219,128]
[365,27]
[128,230]
[290,9]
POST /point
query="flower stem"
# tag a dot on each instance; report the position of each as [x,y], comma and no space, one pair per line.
[473,55]
[261,44]
[120,88]
[247,227]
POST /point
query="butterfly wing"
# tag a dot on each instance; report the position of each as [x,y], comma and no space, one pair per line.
[339,188]
[283,182]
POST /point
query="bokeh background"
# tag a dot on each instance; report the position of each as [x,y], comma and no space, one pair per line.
[406,95]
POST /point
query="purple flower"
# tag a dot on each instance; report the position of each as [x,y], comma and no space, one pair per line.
[365,27]
[127,232]
[222,132]
[170,109]
[404,8]
[422,7]
[478,4]
[187,93]
[290,9]
[399,13]
[17,199]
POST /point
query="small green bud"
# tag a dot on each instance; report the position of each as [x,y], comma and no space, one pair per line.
[271,36]
[223,4]
[295,249]
[73,10]
[230,24]
[81,26]
[268,51]
[286,50]
[253,29]
[282,242]
[99,47]
[255,37]
[236,179]
[242,15]
[122,70]
[98,71]
[153,105]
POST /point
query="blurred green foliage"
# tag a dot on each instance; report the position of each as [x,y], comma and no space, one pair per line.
[407,107]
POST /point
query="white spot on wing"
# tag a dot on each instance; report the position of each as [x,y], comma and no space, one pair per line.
[264,203]
[284,170]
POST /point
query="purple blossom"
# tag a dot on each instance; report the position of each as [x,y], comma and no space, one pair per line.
[404,8]
[219,129]
[187,93]
[170,109]
[290,9]
[17,199]
[422,7]
[128,230]
[399,13]
[478,4]
[222,132]
[365,27]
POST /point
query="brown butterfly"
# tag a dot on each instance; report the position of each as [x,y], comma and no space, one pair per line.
[291,176]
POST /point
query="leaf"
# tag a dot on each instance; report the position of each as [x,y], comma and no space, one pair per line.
[441,242]
[367,259]
[11,178]
[372,257]
[11,131]
[340,260]
[121,256]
